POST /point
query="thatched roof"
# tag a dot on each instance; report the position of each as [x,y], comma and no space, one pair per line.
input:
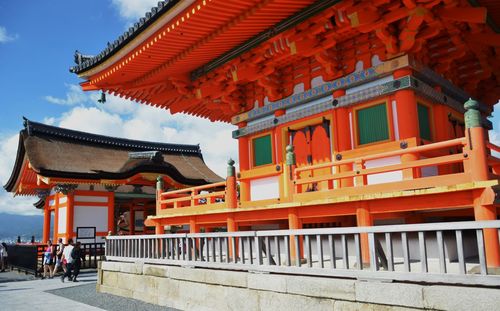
[57,152]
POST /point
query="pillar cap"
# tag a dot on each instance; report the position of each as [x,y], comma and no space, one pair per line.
[230,162]
[471,104]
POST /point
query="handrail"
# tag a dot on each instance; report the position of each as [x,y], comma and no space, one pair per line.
[417,149]
[437,226]
[454,158]
[443,251]
[202,187]
[492,146]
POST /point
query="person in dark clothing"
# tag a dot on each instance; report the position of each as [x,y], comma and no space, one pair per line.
[67,260]
[77,260]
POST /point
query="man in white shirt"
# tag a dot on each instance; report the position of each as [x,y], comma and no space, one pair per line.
[68,260]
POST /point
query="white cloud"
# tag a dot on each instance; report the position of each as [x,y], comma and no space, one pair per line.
[134,122]
[134,9]
[74,96]
[123,118]
[8,203]
[5,37]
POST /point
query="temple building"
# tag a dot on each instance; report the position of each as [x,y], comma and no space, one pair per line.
[87,181]
[346,112]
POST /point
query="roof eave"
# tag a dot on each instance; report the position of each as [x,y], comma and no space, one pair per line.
[18,165]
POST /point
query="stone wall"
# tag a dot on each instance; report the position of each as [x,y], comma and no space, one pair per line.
[205,289]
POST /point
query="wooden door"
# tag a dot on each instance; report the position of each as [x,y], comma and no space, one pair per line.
[312,146]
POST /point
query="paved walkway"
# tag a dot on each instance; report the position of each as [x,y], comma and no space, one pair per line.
[52,294]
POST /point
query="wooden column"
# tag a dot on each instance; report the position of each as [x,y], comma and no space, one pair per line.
[293,224]
[111,212]
[232,202]
[46,222]
[56,217]
[131,227]
[70,215]
[159,229]
[244,157]
[364,219]
[288,174]
[406,105]
[342,129]
[484,209]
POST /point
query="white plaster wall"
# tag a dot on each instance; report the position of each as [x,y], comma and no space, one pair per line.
[91,216]
[265,188]
[384,177]
[61,221]
[63,199]
[83,198]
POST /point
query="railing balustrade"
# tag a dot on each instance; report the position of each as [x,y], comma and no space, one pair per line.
[201,195]
[429,155]
[439,252]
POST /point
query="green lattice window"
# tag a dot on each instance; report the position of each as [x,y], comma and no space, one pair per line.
[372,124]
[262,151]
[424,121]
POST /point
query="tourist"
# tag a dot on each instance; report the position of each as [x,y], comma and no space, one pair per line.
[67,260]
[4,256]
[2,269]
[60,250]
[76,254]
[48,261]
[123,224]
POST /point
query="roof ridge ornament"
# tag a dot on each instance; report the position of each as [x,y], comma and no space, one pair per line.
[154,156]
[65,188]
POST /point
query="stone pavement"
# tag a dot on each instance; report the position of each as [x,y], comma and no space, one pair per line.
[32,295]
[20,292]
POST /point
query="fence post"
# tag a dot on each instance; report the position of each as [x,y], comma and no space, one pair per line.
[484,208]
[288,172]
[232,202]
[364,219]
[159,190]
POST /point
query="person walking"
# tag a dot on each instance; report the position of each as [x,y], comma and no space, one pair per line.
[2,269]
[76,254]
[59,252]
[67,259]
[4,256]
[123,224]
[48,261]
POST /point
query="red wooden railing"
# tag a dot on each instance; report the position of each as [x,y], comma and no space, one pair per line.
[193,196]
[360,173]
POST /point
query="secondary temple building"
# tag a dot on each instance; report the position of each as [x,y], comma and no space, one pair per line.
[85,180]
[346,112]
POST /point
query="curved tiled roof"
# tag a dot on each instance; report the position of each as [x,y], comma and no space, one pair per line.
[143,23]
[68,154]
[40,129]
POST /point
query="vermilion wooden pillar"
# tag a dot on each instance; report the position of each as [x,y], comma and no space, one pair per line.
[244,157]
[70,215]
[111,212]
[477,166]
[342,129]
[364,219]
[46,222]
[294,223]
[56,217]
[406,105]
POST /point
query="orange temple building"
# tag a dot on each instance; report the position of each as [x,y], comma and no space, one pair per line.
[85,180]
[346,112]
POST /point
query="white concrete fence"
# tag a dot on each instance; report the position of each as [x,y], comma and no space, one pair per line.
[452,252]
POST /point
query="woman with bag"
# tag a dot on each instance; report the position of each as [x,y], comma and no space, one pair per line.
[48,261]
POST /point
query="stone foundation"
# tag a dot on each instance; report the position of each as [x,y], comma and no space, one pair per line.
[205,289]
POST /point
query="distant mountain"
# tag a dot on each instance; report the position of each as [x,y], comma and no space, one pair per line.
[12,226]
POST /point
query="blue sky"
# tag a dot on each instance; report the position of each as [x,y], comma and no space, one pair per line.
[37,43]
